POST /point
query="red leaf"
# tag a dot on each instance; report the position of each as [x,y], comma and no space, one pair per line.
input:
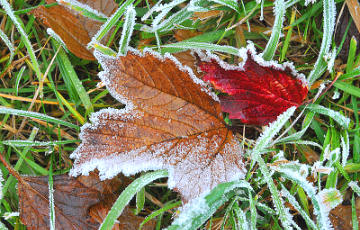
[170,122]
[257,92]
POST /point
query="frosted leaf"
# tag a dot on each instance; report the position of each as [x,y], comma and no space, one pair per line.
[169,122]
[330,198]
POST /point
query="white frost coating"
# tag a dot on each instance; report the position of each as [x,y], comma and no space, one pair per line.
[164,9]
[151,11]
[354,186]
[330,198]
[307,2]
[8,215]
[193,208]
[330,59]
[52,33]
[127,30]
[345,149]
[111,166]
[70,3]
[51,207]
[195,7]
[336,95]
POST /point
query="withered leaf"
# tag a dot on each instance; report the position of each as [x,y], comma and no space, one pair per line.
[170,122]
[75,29]
[341,217]
[73,198]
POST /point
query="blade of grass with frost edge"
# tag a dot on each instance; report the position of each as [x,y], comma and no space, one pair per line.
[279,11]
[19,161]
[84,10]
[319,210]
[127,195]
[293,202]
[233,4]
[205,46]
[261,144]
[160,211]
[18,78]
[128,29]
[67,70]
[198,210]
[106,27]
[329,14]
[51,197]
[339,118]
[8,43]
[40,116]
[24,37]
[22,143]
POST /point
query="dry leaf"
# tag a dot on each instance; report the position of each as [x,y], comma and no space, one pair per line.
[171,121]
[75,29]
[341,219]
[181,35]
[72,198]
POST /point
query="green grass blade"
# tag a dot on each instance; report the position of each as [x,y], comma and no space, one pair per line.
[127,195]
[22,143]
[106,27]
[339,118]
[128,29]
[198,210]
[24,37]
[280,9]
[329,14]
[68,72]
[5,110]
[205,46]
[348,88]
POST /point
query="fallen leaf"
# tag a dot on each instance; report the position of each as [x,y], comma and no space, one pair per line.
[257,92]
[181,35]
[75,29]
[73,198]
[341,218]
[171,121]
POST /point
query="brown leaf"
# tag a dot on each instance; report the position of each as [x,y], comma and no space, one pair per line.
[170,122]
[341,217]
[72,198]
[75,29]
[181,35]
